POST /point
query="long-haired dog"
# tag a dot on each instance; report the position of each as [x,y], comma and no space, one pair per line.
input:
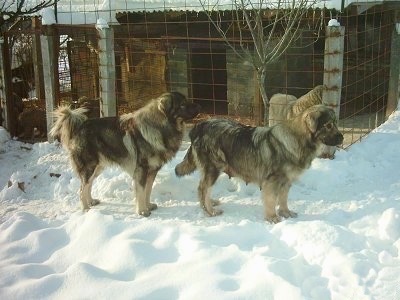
[140,143]
[272,157]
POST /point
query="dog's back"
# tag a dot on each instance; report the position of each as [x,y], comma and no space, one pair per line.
[105,137]
[216,144]
[88,139]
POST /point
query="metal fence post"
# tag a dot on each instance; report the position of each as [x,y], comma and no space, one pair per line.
[108,105]
[333,67]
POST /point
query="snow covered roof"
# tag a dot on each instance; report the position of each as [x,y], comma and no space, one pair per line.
[89,11]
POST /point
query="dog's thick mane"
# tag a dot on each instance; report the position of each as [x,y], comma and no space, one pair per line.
[144,122]
[300,148]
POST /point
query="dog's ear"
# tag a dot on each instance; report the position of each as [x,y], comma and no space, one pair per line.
[311,119]
[165,102]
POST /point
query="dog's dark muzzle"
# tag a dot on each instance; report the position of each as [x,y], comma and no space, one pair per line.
[333,140]
[191,110]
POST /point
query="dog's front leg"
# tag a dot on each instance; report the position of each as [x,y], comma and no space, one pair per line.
[269,197]
[283,210]
[84,195]
[149,186]
[140,189]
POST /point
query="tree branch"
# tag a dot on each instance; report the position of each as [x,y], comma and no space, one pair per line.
[11,13]
[270,37]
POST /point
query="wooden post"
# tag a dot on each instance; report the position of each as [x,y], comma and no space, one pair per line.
[10,115]
[3,86]
[394,80]
[333,67]
[37,60]
[48,46]
[108,105]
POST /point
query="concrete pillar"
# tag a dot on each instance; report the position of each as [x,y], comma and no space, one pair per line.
[108,105]
[48,46]
[37,60]
[333,67]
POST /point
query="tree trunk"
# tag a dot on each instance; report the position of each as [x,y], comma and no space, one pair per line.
[261,76]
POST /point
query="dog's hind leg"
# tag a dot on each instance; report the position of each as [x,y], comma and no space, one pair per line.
[149,186]
[86,187]
[209,176]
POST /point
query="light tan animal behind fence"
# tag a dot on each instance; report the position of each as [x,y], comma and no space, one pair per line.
[285,107]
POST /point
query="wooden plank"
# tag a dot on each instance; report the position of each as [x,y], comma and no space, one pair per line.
[10,114]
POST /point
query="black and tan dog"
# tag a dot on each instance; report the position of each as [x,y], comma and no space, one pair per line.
[140,143]
[272,157]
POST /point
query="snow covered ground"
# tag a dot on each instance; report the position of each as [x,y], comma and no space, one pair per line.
[345,243]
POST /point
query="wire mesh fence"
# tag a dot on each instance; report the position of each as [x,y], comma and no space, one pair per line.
[178,47]
[366,71]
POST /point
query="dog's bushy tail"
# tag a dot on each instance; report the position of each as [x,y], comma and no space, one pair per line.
[313,97]
[187,166]
[67,123]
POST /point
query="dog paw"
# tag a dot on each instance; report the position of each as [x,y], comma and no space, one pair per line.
[273,219]
[210,211]
[215,212]
[145,213]
[215,202]
[94,202]
[152,206]
[287,214]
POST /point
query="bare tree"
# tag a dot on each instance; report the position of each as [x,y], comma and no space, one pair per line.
[266,28]
[12,10]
